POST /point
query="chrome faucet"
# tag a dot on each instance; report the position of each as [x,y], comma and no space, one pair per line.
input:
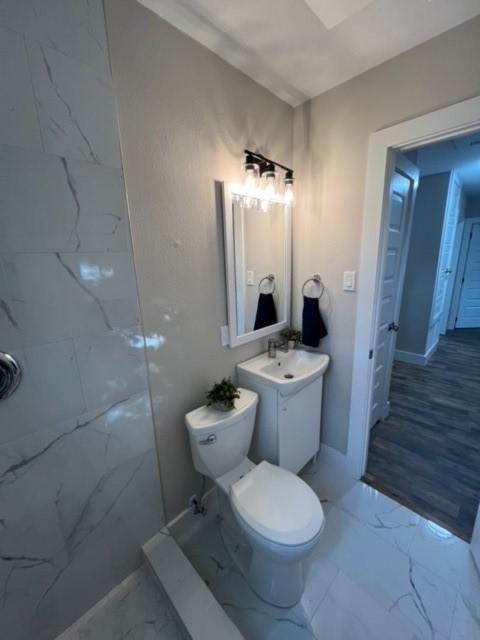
[273,345]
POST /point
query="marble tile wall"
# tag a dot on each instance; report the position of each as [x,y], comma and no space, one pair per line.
[79,487]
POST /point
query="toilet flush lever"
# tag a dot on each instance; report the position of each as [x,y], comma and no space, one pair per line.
[210,440]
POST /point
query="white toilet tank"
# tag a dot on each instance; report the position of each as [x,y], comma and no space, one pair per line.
[220,440]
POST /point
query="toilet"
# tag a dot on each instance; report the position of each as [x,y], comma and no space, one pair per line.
[279,514]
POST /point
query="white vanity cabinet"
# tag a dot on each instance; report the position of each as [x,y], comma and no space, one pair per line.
[299,426]
[287,428]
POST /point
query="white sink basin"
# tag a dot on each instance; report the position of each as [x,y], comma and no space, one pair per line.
[287,372]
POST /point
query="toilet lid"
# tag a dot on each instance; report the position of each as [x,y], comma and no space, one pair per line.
[278,505]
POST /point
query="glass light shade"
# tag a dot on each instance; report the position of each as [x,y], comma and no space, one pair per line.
[269,181]
[289,195]
[251,177]
[251,168]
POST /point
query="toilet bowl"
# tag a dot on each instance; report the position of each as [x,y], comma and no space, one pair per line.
[279,514]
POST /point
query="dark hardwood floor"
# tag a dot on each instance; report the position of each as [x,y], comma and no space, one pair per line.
[426,454]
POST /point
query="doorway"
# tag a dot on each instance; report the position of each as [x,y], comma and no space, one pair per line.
[445,124]
[425,427]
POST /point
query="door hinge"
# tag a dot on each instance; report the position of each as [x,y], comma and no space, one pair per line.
[370,354]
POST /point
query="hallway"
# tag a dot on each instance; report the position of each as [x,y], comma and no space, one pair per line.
[427,453]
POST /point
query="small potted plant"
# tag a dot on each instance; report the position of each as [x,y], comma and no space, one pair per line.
[293,337]
[223,395]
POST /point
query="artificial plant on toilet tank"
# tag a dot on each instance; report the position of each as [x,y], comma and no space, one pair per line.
[79,489]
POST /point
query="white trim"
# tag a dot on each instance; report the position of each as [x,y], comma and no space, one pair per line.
[462,265]
[452,314]
[240,279]
[229,190]
[448,122]
[416,358]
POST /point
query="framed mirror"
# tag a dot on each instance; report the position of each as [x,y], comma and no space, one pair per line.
[258,247]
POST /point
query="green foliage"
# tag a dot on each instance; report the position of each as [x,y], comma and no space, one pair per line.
[223,394]
[292,334]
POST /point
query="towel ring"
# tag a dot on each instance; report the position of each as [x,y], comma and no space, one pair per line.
[318,280]
[271,279]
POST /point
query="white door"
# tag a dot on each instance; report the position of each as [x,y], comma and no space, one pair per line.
[446,266]
[468,315]
[444,275]
[475,544]
[402,191]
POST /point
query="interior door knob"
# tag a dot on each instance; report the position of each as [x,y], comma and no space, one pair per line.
[393,327]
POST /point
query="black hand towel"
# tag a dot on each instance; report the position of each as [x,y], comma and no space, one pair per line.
[314,328]
[266,312]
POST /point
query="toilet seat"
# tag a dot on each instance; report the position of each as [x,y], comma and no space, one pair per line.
[278,505]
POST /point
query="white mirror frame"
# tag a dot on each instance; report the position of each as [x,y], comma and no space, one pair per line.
[229,191]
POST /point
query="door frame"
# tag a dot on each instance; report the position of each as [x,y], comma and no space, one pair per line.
[449,122]
[461,266]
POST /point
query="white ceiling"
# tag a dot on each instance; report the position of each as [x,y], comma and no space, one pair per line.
[300,48]
[461,154]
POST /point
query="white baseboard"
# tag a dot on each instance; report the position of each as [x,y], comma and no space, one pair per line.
[415,358]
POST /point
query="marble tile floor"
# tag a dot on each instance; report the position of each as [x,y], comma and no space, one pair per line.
[380,571]
[134,610]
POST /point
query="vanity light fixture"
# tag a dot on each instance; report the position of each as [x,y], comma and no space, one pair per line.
[264,190]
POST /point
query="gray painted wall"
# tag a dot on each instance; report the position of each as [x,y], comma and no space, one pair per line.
[185,118]
[79,487]
[331,140]
[417,298]
[472,207]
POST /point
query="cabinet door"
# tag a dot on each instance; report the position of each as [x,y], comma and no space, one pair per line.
[299,426]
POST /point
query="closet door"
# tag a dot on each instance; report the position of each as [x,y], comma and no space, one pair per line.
[444,266]
[469,307]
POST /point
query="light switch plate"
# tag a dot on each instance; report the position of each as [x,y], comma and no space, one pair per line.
[250,278]
[349,280]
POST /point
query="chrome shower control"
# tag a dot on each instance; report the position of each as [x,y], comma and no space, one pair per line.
[10,375]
